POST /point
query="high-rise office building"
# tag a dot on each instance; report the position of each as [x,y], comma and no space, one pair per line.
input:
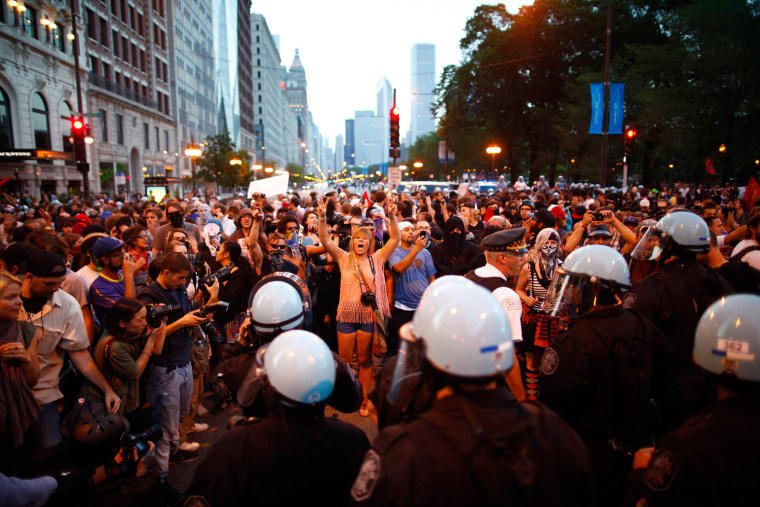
[295,91]
[339,153]
[384,104]
[423,85]
[37,98]
[232,59]
[128,58]
[349,153]
[193,85]
[370,139]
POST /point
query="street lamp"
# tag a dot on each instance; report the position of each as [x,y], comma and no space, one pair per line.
[268,170]
[193,152]
[418,166]
[493,151]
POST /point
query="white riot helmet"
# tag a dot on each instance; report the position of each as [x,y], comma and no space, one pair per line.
[682,231]
[462,331]
[279,302]
[727,341]
[300,367]
[591,276]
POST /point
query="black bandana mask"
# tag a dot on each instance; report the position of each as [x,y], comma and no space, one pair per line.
[176,218]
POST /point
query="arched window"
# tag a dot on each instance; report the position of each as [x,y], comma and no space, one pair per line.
[6,122]
[40,123]
[66,114]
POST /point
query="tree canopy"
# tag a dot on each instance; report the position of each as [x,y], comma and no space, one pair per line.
[690,67]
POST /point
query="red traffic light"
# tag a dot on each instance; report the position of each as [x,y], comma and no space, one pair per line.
[395,111]
[77,124]
[630,133]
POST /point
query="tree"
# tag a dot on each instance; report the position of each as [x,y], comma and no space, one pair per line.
[215,162]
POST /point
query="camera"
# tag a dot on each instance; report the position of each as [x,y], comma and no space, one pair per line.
[199,263]
[222,275]
[368,298]
[158,312]
[139,442]
[599,217]
[208,327]
[343,230]
[422,234]
[335,219]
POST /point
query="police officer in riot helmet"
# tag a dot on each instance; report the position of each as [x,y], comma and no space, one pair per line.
[279,302]
[673,299]
[476,445]
[296,456]
[601,374]
[711,459]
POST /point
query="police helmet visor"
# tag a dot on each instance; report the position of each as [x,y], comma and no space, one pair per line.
[571,295]
[253,383]
[407,374]
[650,246]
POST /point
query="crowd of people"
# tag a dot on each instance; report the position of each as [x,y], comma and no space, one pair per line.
[552,343]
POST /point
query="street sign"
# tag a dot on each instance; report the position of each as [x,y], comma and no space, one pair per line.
[15,155]
[394,176]
[54,155]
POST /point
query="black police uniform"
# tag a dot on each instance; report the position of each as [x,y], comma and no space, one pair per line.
[674,299]
[599,377]
[281,462]
[485,449]
[710,460]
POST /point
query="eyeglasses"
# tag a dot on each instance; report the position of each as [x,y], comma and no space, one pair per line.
[275,246]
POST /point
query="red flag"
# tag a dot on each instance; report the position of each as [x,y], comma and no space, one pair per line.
[751,193]
[709,167]
[365,196]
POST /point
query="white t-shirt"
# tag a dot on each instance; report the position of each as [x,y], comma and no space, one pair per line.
[752,258]
[89,275]
[508,299]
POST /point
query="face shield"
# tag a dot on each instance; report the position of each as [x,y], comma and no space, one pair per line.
[650,246]
[254,380]
[407,375]
[570,295]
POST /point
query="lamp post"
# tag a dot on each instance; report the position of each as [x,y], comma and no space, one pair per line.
[493,151]
[256,168]
[235,161]
[418,166]
[193,152]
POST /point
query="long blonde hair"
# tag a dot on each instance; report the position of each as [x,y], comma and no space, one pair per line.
[353,260]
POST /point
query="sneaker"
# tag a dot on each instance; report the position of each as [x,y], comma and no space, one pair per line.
[198,427]
[183,456]
[201,412]
[189,446]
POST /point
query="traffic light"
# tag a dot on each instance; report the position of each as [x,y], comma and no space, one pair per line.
[394,129]
[78,133]
[630,136]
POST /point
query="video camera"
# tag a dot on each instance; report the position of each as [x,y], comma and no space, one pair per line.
[157,312]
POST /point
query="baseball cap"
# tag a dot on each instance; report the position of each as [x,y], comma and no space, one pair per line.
[105,245]
[631,221]
[558,212]
[544,216]
[46,264]
[600,230]
[81,217]
[578,212]
[403,225]
[643,203]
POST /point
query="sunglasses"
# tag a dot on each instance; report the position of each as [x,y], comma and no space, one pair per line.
[275,246]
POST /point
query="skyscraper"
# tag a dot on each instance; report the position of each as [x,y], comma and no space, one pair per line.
[295,91]
[384,104]
[423,84]
[349,155]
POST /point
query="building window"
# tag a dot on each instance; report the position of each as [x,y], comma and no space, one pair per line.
[40,123]
[119,129]
[125,49]
[259,85]
[6,123]
[258,73]
[166,140]
[90,20]
[115,7]
[66,115]
[30,22]
[115,37]
[58,39]
[158,140]
[258,50]
[103,126]
[104,32]
[106,71]
[94,65]
[146,136]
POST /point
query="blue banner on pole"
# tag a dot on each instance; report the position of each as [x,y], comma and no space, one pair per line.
[617,95]
[597,108]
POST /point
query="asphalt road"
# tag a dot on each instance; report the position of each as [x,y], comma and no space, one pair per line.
[181,474]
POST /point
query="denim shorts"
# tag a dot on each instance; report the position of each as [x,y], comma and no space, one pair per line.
[352,327]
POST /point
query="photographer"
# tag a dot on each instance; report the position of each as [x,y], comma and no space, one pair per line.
[123,354]
[170,384]
[363,295]
[234,289]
